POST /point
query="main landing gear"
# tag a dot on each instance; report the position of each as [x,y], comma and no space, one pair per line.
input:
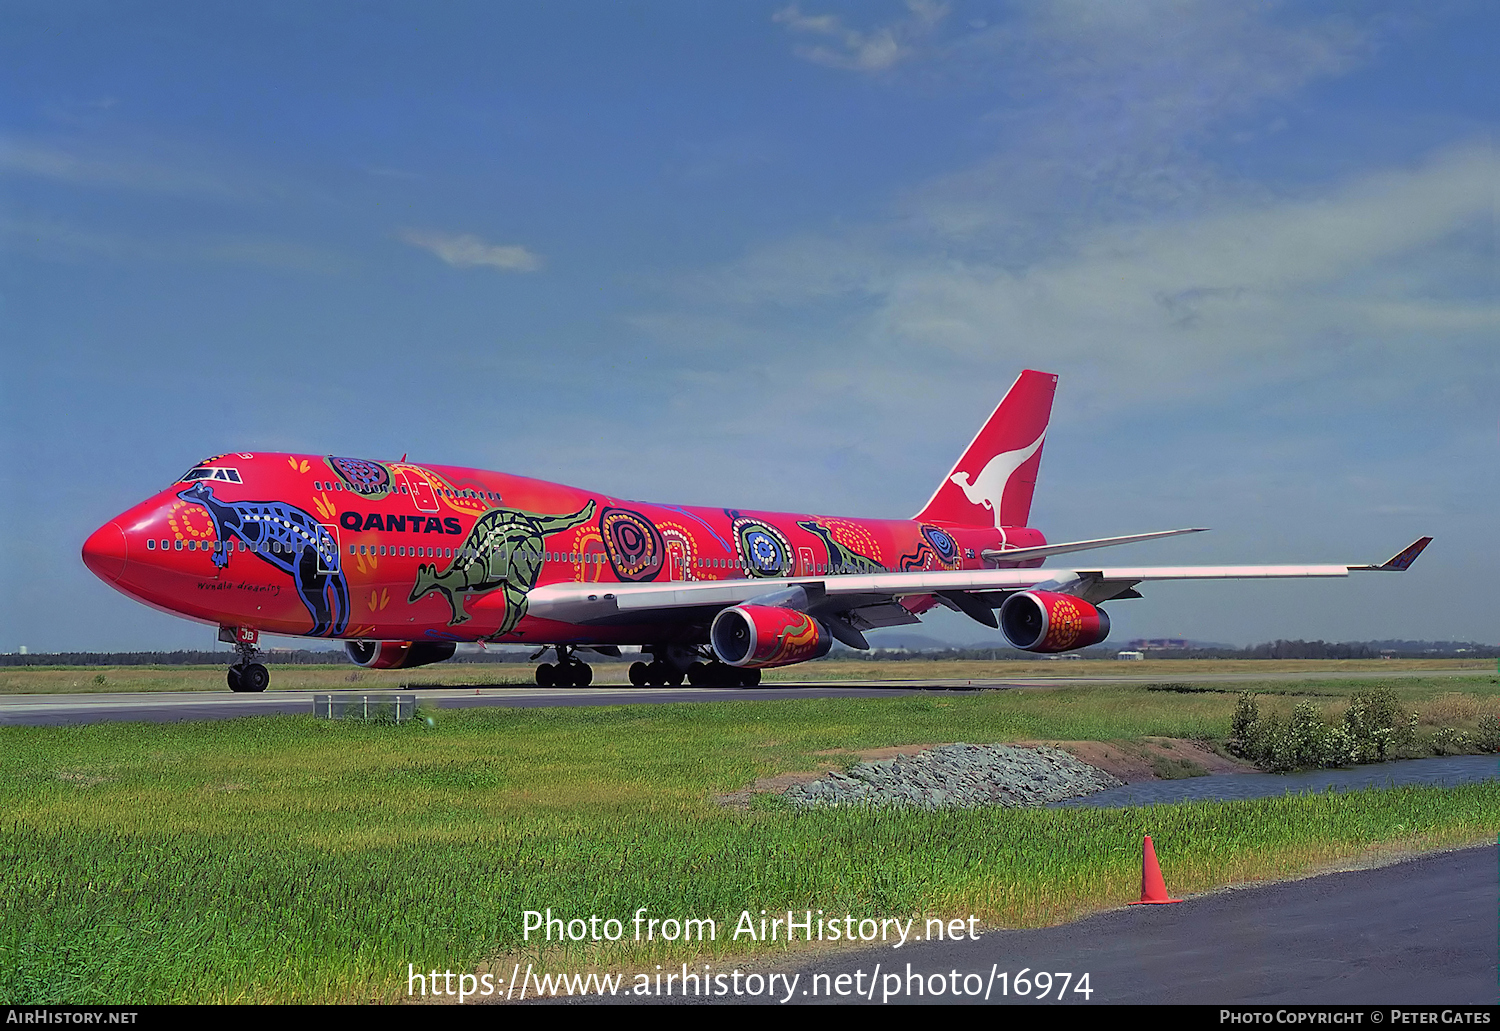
[721,674]
[671,665]
[569,671]
[245,675]
[655,673]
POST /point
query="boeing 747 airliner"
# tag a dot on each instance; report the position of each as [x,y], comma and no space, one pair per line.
[403,561]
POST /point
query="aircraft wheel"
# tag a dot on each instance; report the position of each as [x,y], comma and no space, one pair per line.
[656,674]
[583,674]
[234,679]
[546,675]
[749,678]
[700,674]
[640,674]
[674,677]
[254,678]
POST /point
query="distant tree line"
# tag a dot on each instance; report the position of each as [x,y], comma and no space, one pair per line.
[301,657]
[1268,650]
[1340,650]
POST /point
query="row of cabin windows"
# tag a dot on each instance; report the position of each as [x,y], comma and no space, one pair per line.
[336,485]
[265,547]
[818,568]
[402,551]
[373,488]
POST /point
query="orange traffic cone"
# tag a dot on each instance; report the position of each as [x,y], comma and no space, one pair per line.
[1153,888]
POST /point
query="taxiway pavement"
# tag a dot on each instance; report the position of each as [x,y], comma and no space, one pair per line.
[167,706]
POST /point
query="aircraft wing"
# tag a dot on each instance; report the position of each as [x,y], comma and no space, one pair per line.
[866,601]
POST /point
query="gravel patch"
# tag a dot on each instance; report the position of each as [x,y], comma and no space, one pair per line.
[959,776]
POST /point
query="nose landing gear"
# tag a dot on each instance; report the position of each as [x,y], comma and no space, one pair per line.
[245,675]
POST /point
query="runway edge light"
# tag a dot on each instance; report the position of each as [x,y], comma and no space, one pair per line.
[1153,888]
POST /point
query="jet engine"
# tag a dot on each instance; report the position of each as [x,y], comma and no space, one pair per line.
[760,636]
[397,654]
[1042,621]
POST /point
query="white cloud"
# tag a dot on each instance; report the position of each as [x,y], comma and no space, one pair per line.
[467,251]
[1381,280]
[1264,278]
[869,50]
[53,239]
[185,173]
[1100,237]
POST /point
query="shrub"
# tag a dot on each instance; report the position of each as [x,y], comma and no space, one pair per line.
[1376,727]
[1245,725]
[1487,733]
[1304,741]
[1449,737]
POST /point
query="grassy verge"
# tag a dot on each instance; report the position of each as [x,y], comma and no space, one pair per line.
[286,859]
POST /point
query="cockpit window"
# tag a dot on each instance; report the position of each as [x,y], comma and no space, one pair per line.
[211,472]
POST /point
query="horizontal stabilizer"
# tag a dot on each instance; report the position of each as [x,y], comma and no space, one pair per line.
[1043,550]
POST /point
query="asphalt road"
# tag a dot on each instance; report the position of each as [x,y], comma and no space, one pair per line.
[1418,932]
[167,706]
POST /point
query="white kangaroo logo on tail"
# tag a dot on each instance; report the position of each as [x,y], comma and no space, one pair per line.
[989,487]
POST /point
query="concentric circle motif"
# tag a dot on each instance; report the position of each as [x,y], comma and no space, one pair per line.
[635,546]
[1065,623]
[944,545]
[764,550]
[181,517]
[360,474]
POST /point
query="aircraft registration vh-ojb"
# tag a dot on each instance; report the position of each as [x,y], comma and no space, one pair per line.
[404,561]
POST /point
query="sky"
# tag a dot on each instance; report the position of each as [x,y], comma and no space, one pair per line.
[772,256]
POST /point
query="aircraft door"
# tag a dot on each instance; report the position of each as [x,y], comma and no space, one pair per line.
[678,560]
[805,562]
[422,494]
[595,560]
[329,563]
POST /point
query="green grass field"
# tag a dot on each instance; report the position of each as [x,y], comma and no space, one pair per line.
[287,859]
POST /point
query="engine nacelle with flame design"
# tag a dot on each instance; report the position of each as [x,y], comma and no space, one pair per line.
[761,636]
[397,654]
[1041,621]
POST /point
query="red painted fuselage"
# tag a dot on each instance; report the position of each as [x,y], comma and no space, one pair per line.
[329,547]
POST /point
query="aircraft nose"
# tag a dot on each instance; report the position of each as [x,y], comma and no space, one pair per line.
[105,552]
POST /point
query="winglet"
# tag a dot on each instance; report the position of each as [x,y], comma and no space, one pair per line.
[1400,561]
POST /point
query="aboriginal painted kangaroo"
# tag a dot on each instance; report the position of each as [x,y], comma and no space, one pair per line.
[503,550]
[291,540]
[840,558]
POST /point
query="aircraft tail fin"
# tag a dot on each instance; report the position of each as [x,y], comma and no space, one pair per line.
[992,482]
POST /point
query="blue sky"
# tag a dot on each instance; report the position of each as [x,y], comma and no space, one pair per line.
[771,256]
